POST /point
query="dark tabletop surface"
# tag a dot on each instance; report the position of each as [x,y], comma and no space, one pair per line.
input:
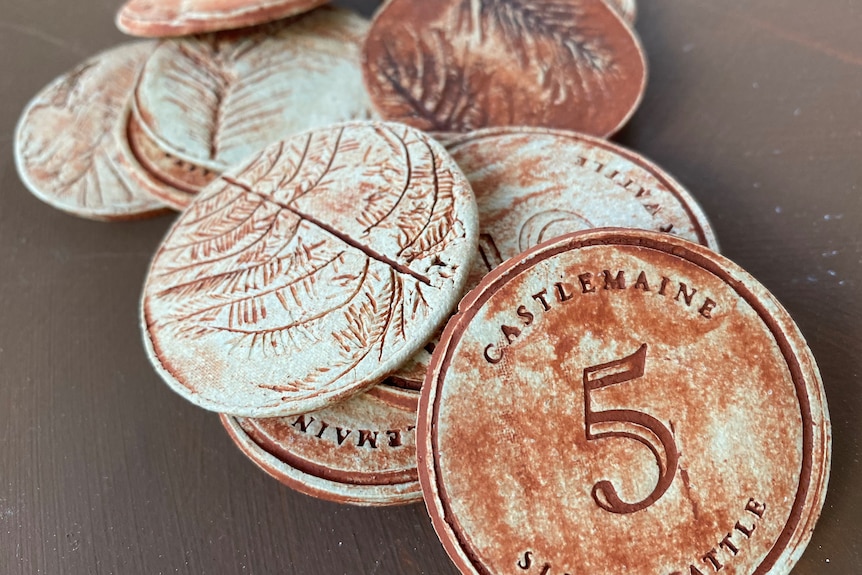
[755,106]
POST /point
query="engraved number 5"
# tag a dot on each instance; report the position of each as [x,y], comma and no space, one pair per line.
[629,424]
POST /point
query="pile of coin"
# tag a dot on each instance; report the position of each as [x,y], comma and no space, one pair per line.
[343,184]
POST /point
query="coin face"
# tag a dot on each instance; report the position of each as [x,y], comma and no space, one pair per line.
[647,407]
[205,103]
[533,184]
[361,451]
[460,65]
[160,18]
[69,146]
[311,272]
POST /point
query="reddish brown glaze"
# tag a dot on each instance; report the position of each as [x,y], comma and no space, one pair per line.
[69,145]
[647,407]
[205,103]
[311,272]
[361,451]
[532,184]
[628,9]
[160,18]
[459,65]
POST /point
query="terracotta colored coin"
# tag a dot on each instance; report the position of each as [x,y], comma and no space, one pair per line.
[460,65]
[533,184]
[205,103]
[68,144]
[647,407]
[311,272]
[627,8]
[361,451]
[159,18]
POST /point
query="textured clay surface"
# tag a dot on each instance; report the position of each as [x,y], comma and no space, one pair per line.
[628,9]
[159,18]
[460,65]
[532,185]
[68,145]
[647,407]
[310,273]
[205,103]
[361,451]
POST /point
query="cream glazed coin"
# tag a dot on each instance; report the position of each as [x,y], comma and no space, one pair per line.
[207,102]
[533,184]
[69,146]
[647,407]
[361,451]
[311,272]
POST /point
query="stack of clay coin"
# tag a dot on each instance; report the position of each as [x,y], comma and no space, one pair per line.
[461,65]
[146,125]
[647,407]
[363,450]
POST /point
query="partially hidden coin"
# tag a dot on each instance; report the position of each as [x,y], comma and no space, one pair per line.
[627,8]
[361,451]
[69,141]
[162,18]
[460,65]
[311,272]
[647,407]
[205,103]
[533,184]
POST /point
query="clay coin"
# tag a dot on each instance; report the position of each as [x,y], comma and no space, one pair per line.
[361,451]
[69,141]
[533,184]
[205,103]
[647,407]
[627,9]
[311,272]
[160,18]
[460,65]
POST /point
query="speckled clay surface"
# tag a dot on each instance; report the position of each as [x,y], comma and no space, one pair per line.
[311,272]
[460,65]
[647,407]
[205,103]
[533,184]
[159,18]
[69,146]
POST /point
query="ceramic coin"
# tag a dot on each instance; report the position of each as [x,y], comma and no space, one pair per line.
[533,184]
[361,451]
[69,141]
[310,272]
[647,407]
[159,18]
[207,102]
[460,65]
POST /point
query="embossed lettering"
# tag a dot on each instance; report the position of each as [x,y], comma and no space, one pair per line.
[618,282]
[561,292]
[683,291]
[586,285]
[394,437]
[755,507]
[664,283]
[510,332]
[526,315]
[706,309]
[727,543]
[642,282]
[711,559]
[747,531]
[527,561]
[490,358]
[367,436]
[341,435]
[323,426]
[540,297]
[302,424]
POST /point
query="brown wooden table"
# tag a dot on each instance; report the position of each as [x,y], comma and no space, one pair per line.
[755,106]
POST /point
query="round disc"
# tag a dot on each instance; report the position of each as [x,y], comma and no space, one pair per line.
[159,18]
[208,102]
[361,451]
[311,272]
[460,65]
[533,184]
[68,144]
[647,407]
[628,9]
